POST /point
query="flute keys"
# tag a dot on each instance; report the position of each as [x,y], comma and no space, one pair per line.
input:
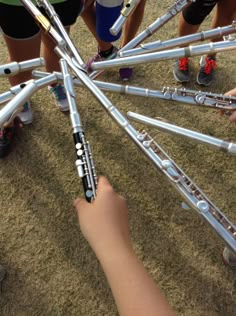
[203,206]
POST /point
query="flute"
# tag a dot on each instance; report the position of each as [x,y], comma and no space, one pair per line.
[178,6]
[14,68]
[84,162]
[184,185]
[124,14]
[167,54]
[192,97]
[60,28]
[217,143]
[180,41]
[14,106]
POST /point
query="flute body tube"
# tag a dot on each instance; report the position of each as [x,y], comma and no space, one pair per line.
[181,182]
[166,55]
[14,68]
[59,26]
[14,106]
[192,97]
[180,41]
[84,162]
[124,14]
[185,133]
[172,11]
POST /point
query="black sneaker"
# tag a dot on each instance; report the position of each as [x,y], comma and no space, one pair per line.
[206,73]
[181,70]
[7,135]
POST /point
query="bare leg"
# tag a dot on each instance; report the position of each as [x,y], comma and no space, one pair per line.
[185,28]
[89,17]
[51,58]
[133,23]
[20,50]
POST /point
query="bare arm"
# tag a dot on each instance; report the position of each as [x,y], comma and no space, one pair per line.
[104,224]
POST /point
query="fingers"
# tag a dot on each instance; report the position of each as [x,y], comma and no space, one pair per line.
[233,117]
[104,185]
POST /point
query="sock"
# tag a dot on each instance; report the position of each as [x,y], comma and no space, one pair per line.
[106,53]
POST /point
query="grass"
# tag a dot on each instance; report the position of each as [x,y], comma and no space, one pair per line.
[51,269]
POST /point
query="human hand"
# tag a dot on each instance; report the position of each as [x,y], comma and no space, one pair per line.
[232,117]
[104,222]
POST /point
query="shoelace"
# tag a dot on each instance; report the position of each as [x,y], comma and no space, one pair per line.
[183,63]
[210,65]
[58,91]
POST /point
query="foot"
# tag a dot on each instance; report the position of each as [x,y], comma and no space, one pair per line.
[26,115]
[102,55]
[229,258]
[206,73]
[58,92]
[7,136]
[181,70]
[125,73]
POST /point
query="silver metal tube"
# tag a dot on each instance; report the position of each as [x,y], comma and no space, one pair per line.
[191,97]
[43,22]
[184,185]
[59,26]
[124,14]
[14,68]
[166,55]
[180,41]
[186,133]
[10,110]
[172,11]
[178,6]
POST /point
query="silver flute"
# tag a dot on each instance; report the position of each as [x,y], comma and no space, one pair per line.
[14,68]
[180,41]
[54,18]
[178,6]
[124,14]
[192,97]
[214,142]
[185,186]
[84,162]
[190,192]
[14,106]
[167,54]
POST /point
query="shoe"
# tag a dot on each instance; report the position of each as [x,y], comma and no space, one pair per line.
[7,136]
[206,73]
[100,57]
[58,91]
[229,258]
[181,70]
[125,73]
[26,115]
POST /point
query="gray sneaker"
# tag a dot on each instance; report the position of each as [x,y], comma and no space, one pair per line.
[229,258]
[206,72]
[181,70]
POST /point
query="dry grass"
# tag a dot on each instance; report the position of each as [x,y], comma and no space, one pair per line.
[51,269]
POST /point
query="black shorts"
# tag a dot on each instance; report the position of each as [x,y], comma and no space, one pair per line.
[196,12]
[17,22]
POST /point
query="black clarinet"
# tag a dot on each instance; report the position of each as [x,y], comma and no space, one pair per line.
[84,160]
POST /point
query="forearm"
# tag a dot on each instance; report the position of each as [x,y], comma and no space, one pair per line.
[134,291]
